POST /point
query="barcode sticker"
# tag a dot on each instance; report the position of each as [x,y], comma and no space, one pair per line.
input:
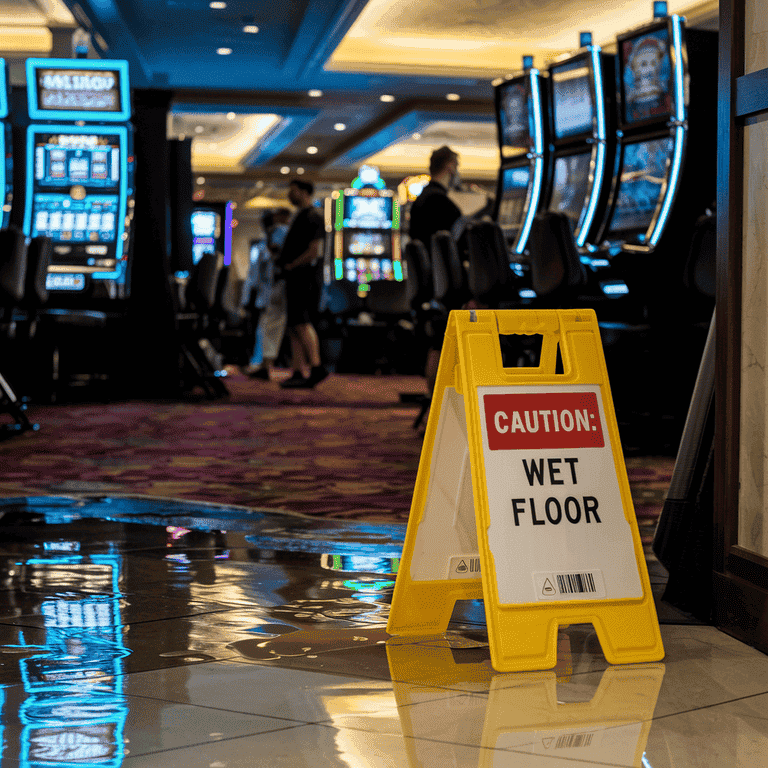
[584,585]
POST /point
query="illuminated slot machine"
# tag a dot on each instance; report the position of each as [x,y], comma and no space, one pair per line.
[665,168]
[364,224]
[6,150]
[79,186]
[520,104]
[583,138]
[212,226]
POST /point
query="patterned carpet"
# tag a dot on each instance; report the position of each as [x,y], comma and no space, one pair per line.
[346,450]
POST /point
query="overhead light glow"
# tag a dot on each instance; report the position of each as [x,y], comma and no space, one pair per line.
[452,96]
[285,170]
[250,29]
[386,97]
[231,115]
[340,127]
[311,150]
[201,179]
[416,136]
[199,129]
[300,171]
[217,6]
[223,51]
[182,136]
[315,93]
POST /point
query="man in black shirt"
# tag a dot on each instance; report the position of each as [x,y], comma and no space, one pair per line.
[433,211]
[302,248]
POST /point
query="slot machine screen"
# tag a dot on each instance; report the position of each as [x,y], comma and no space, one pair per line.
[206,229]
[646,74]
[76,197]
[514,117]
[367,212]
[362,270]
[514,193]
[572,98]
[571,185]
[644,170]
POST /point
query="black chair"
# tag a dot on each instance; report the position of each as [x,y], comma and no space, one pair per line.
[420,271]
[199,364]
[557,274]
[449,275]
[490,277]
[13,274]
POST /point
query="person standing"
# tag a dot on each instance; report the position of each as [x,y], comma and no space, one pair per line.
[302,248]
[270,300]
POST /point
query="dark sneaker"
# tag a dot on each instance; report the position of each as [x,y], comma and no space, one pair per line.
[296,381]
[316,375]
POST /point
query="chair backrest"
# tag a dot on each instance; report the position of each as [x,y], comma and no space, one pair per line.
[489,272]
[390,297]
[553,256]
[13,266]
[201,290]
[39,257]
[419,272]
[449,277]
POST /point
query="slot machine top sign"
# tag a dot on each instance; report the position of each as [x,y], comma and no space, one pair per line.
[74,89]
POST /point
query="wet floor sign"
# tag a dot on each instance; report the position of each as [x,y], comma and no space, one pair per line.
[522,498]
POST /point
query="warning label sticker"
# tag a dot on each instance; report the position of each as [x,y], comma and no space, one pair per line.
[465,567]
[554,499]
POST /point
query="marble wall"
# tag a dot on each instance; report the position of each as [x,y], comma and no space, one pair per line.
[753,471]
[755,36]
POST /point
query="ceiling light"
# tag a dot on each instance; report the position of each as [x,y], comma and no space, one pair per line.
[199,129]
[416,136]
[201,179]
[300,171]
[231,115]
[285,170]
[250,29]
[311,150]
[452,96]
[386,97]
[340,127]
[497,81]
[314,93]
[223,51]
[217,6]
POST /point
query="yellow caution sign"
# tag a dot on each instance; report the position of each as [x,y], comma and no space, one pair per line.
[522,498]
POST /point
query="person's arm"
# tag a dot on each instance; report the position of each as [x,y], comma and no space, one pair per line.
[310,255]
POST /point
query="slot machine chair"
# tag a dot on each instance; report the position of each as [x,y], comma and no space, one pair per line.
[490,276]
[192,323]
[449,275]
[13,271]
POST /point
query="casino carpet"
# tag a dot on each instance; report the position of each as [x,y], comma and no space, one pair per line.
[346,450]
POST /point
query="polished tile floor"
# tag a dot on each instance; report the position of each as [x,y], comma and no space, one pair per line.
[136,633]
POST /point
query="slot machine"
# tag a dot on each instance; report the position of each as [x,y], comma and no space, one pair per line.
[665,168]
[582,138]
[212,230]
[363,227]
[522,131]
[79,185]
[6,150]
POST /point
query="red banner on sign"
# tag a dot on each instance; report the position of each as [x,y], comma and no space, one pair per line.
[543,420]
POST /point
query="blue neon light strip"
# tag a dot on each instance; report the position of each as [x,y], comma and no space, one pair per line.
[538,128]
[597,183]
[599,156]
[35,111]
[118,130]
[533,205]
[3,90]
[677,46]
[669,195]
